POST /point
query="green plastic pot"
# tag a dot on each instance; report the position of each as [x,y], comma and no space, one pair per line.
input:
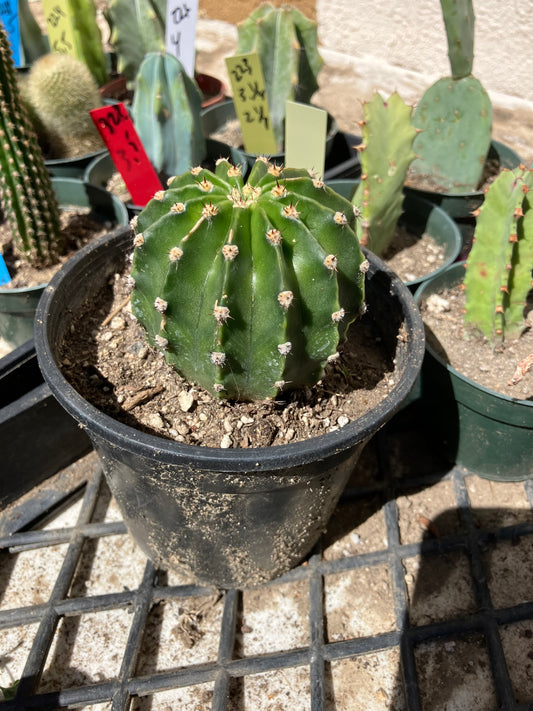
[17,306]
[420,216]
[489,433]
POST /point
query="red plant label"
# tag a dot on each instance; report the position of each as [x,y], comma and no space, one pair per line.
[118,132]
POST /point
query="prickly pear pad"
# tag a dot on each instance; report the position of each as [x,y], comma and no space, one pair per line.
[249,288]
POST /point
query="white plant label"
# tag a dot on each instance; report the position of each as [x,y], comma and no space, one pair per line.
[181,32]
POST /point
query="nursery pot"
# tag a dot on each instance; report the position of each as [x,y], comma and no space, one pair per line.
[234,517]
[17,306]
[489,433]
[460,206]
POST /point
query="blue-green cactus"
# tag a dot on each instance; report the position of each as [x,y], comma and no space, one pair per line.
[249,288]
[26,191]
[166,112]
[286,42]
[454,116]
[386,152]
[137,29]
[499,269]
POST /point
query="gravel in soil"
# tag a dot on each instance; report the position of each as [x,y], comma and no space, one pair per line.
[109,361]
[471,353]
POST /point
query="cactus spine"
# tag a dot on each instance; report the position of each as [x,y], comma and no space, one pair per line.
[137,29]
[166,112]
[61,91]
[455,114]
[286,42]
[386,153]
[28,198]
[247,287]
[498,276]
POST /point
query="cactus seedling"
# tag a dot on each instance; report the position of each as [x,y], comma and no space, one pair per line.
[28,198]
[61,91]
[386,153]
[247,287]
[499,271]
[166,112]
[286,42]
[455,114]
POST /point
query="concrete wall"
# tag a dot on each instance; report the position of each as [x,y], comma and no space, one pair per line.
[401,44]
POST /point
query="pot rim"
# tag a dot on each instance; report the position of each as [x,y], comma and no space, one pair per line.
[212,458]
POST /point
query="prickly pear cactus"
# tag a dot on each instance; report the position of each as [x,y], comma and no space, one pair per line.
[26,191]
[454,116]
[61,91]
[499,270]
[166,112]
[287,44]
[247,287]
[386,152]
[458,18]
[137,28]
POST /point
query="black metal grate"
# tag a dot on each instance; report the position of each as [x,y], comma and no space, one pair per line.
[389,472]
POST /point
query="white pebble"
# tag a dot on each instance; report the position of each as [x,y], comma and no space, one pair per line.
[436,304]
[225,442]
[186,401]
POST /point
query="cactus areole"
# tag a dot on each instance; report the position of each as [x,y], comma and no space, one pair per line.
[248,288]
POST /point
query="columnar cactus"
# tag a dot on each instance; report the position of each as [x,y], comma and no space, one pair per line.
[386,153]
[26,190]
[166,112]
[498,275]
[455,114]
[248,288]
[88,46]
[61,91]
[286,42]
[137,28]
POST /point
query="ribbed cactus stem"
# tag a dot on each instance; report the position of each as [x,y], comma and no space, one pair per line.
[386,153]
[137,28]
[249,288]
[498,275]
[88,46]
[166,112]
[286,42]
[28,197]
[458,18]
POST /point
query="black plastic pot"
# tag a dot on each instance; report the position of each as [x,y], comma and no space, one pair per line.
[101,169]
[419,216]
[489,433]
[17,306]
[235,517]
[37,436]
[215,117]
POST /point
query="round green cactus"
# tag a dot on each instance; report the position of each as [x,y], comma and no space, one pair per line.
[249,288]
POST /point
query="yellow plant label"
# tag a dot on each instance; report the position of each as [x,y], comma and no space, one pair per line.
[60,26]
[251,104]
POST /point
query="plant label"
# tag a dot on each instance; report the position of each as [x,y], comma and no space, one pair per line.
[181,32]
[118,132]
[5,278]
[59,25]
[305,137]
[9,14]
[251,103]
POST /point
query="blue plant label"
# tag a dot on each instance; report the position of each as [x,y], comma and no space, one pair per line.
[4,274]
[9,14]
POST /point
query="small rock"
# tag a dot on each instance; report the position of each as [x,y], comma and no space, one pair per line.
[246,420]
[186,401]
[226,442]
[436,304]
[117,323]
[155,420]
[228,427]
[342,421]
